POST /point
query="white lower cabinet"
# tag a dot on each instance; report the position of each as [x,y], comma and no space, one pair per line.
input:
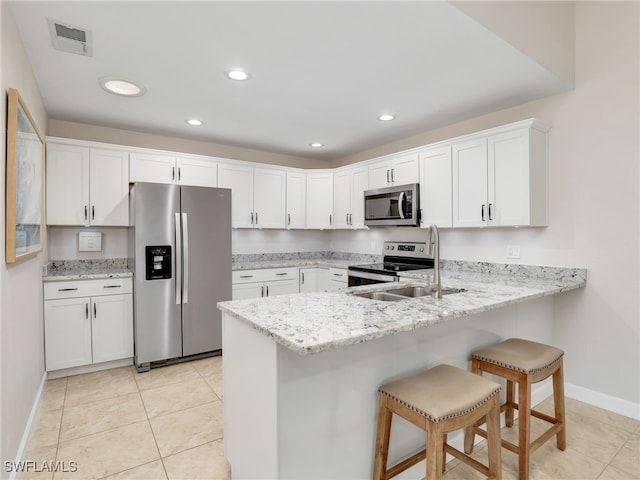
[265,282]
[314,279]
[87,322]
[338,278]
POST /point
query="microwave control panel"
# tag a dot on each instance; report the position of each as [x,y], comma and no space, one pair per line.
[158,261]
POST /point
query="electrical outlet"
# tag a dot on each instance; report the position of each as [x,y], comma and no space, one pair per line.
[513,251]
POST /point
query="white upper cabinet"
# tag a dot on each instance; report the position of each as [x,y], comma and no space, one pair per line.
[258,195]
[348,197]
[470,184]
[296,199]
[87,186]
[500,179]
[182,170]
[394,170]
[435,187]
[320,200]
[269,200]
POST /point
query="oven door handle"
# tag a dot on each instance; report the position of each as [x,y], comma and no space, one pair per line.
[401,201]
[373,276]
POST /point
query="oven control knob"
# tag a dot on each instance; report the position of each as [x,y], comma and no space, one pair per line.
[392,247]
[386,247]
[422,249]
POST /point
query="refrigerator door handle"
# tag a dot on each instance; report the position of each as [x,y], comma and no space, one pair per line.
[178,257]
[185,250]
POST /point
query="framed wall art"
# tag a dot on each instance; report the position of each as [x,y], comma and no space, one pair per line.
[25,182]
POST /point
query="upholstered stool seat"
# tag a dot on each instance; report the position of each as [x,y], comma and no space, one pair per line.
[438,401]
[524,363]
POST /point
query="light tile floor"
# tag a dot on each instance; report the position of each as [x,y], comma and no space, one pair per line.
[167,424]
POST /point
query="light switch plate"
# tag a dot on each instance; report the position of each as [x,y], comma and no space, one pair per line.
[89,241]
[513,251]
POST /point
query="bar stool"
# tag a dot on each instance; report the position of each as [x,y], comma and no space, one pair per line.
[525,363]
[439,401]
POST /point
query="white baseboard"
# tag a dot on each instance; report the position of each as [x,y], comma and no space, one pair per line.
[602,400]
[94,367]
[28,429]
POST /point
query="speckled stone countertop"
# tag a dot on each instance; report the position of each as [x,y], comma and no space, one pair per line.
[301,259]
[59,270]
[313,322]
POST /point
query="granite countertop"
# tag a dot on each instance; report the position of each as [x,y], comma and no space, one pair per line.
[326,262]
[313,322]
[59,270]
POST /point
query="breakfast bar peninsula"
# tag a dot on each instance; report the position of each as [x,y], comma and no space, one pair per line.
[301,371]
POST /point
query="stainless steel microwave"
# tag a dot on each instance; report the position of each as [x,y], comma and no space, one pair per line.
[392,206]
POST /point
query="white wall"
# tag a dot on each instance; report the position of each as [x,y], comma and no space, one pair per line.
[594,203]
[21,329]
[279,241]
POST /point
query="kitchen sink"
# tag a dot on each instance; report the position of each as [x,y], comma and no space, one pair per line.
[423,291]
[383,296]
[397,294]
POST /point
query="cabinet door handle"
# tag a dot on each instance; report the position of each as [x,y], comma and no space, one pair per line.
[112,286]
[178,173]
[262,291]
[388,176]
[85,212]
[482,211]
[95,312]
[351,219]
[246,276]
[93,212]
[392,180]
[330,219]
[67,289]
[86,311]
[173,173]
[267,290]
[490,216]
[256,218]
[302,277]
[288,219]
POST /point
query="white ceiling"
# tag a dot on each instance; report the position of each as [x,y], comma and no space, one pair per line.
[321,71]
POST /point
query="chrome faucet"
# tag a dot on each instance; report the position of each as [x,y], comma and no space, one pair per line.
[434,249]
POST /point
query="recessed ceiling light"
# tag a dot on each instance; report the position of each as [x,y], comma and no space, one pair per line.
[386,117]
[195,122]
[120,86]
[316,144]
[237,75]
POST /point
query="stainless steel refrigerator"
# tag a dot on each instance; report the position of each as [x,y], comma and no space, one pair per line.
[180,252]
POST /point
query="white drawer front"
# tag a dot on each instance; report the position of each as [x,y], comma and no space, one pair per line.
[264,275]
[87,288]
[338,274]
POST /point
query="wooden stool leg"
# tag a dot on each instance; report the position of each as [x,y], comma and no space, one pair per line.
[382,439]
[493,440]
[558,406]
[524,422]
[469,436]
[509,411]
[444,453]
[435,450]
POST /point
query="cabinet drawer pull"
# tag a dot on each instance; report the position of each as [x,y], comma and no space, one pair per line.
[246,276]
[339,274]
[67,289]
[112,286]
[281,274]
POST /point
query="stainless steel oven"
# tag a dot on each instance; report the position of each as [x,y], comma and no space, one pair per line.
[397,257]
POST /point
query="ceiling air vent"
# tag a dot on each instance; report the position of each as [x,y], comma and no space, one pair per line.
[71,39]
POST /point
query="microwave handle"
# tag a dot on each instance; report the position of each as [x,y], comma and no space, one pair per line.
[401,204]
